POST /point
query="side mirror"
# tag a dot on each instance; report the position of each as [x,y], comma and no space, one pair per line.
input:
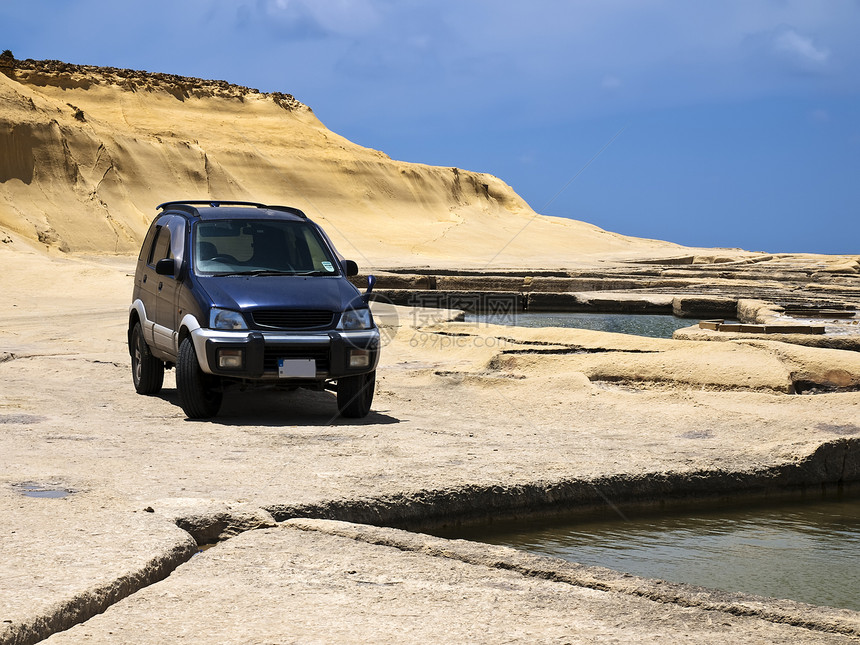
[165,266]
[371,282]
[350,267]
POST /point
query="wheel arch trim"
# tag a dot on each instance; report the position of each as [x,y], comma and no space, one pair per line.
[187,327]
[137,313]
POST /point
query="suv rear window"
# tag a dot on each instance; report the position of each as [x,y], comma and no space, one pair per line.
[249,246]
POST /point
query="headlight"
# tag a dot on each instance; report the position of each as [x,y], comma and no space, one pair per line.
[226,319]
[355,319]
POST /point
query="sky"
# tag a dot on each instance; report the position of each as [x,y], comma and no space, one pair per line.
[718,123]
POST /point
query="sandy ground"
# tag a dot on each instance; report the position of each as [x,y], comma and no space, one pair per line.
[287,585]
[456,406]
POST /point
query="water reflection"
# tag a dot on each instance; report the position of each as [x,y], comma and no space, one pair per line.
[654,326]
[808,552]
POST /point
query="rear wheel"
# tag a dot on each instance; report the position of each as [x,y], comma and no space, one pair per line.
[147,371]
[355,394]
[199,393]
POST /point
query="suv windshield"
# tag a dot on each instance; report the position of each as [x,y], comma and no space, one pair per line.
[252,247]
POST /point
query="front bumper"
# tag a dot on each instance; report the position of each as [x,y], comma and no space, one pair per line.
[256,354]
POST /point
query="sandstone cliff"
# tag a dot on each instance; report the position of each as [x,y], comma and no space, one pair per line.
[86,153]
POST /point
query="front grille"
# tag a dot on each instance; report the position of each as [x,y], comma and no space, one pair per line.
[293,319]
[272,354]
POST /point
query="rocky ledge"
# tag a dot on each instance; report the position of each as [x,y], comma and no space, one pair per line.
[66,75]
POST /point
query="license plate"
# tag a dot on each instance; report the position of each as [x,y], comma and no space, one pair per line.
[297,368]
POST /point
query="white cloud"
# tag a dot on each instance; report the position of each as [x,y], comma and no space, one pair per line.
[800,48]
[319,18]
[345,17]
[787,49]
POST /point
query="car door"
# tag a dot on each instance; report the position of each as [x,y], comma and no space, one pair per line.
[143,286]
[164,289]
[154,286]
[157,246]
[167,312]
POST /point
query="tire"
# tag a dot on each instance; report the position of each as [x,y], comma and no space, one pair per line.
[147,372]
[355,394]
[199,393]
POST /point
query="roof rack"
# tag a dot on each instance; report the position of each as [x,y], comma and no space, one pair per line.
[288,209]
[190,203]
[215,203]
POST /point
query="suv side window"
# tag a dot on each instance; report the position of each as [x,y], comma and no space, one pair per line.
[161,248]
[146,247]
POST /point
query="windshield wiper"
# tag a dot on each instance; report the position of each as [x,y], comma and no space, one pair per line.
[266,272]
[256,272]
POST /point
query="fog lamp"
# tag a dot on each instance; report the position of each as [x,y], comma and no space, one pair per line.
[359,358]
[230,358]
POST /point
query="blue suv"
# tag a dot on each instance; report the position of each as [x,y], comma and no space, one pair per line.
[241,293]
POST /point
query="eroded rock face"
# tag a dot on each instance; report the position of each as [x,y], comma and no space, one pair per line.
[220,525]
[110,144]
[704,307]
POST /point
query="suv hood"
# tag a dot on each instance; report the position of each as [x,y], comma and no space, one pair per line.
[245,293]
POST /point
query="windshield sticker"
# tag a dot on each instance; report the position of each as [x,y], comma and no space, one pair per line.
[327,266]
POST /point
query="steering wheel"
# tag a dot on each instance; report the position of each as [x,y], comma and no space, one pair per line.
[224,258]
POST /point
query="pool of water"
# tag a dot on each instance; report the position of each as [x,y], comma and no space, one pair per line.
[807,552]
[654,326]
[34,489]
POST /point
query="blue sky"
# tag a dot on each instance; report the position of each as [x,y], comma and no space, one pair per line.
[732,123]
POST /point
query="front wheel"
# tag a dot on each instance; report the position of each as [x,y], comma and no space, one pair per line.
[199,393]
[355,394]
[147,371]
